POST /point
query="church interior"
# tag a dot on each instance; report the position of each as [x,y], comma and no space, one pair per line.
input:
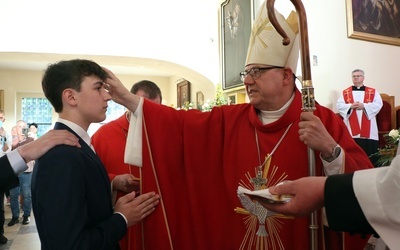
[186,43]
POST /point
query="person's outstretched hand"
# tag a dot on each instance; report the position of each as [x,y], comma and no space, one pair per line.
[119,93]
[307,196]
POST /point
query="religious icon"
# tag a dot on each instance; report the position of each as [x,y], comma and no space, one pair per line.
[233,20]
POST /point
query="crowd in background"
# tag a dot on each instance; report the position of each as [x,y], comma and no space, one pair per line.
[18,197]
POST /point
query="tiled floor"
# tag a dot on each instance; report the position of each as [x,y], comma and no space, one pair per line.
[20,237]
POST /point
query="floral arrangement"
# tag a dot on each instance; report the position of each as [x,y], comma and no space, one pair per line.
[187,106]
[218,101]
[208,104]
[388,152]
[394,136]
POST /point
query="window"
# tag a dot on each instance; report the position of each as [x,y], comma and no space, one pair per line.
[114,110]
[39,111]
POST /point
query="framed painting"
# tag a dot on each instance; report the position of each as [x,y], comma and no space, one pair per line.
[375,21]
[231,99]
[236,98]
[199,100]
[236,21]
[183,93]
[2,99]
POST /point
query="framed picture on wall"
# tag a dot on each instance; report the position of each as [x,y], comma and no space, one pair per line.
[375,21]
[236,98]
[236,22]
[183,93]
[231,99]
[199,100]
[1,99]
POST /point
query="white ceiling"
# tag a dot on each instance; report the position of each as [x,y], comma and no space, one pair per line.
[39,61]
[30,64]
[145,37]
[148,37]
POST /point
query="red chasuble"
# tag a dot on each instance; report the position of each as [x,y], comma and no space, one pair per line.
[196,161]
[109,142]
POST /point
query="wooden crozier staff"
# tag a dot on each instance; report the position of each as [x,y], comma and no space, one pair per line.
[307,91]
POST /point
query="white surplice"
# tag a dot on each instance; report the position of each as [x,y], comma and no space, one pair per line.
[371,110]
[378,193]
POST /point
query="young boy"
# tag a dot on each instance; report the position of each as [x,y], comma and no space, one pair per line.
[70,187]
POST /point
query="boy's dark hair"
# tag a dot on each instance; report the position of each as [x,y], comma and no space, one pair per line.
[147,86]
[68,74]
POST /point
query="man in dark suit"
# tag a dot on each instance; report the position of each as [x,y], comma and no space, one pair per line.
[8,178]
[70,188]
[14,162]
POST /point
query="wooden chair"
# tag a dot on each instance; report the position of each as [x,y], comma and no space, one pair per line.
[397,110]
[386,118]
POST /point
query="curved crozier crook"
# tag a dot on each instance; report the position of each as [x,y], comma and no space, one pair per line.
[272,18]
[304,49]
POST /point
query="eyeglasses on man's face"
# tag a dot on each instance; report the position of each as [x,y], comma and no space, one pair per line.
[255,73]
[354,76]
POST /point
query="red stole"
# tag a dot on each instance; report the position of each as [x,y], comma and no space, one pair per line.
[365,128]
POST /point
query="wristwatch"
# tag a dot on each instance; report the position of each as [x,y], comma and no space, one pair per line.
[335,153]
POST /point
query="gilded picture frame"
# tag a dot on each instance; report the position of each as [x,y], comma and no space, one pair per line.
[183,93]
[374,21]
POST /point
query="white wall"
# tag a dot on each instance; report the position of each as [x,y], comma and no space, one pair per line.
[338,55]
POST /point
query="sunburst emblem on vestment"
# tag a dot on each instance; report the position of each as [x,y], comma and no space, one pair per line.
[263,226]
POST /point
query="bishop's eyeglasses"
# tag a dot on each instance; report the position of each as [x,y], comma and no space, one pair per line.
[255,73]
